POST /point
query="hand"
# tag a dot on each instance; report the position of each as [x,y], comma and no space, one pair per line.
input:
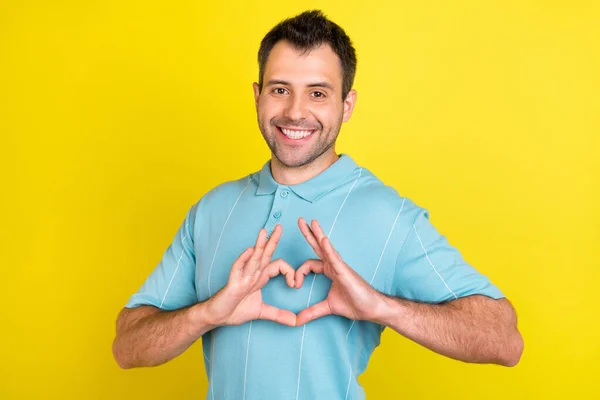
[350,295]
[240,300]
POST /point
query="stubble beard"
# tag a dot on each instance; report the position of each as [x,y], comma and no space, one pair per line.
[320,147]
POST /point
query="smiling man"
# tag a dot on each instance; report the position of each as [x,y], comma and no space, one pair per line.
[291,274]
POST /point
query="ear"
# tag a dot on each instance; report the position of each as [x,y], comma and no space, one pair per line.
[349,104]
[256,94]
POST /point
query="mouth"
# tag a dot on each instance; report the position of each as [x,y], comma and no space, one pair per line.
[295,134]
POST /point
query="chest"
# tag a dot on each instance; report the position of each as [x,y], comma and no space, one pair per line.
[223,235]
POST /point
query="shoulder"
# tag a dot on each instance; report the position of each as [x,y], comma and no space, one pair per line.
[225,194]
[230,188]
[380,200]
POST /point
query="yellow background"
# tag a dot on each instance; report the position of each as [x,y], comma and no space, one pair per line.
[115,117]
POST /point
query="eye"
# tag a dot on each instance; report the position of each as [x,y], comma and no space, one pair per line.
[318,95]
[279,90]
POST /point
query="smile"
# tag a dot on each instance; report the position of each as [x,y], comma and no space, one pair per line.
[295,134]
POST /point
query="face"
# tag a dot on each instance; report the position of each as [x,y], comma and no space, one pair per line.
[300,108]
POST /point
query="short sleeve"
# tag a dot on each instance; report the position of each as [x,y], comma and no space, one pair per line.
[429,269]
[171,285]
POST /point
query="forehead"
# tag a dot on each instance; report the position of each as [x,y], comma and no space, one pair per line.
[299,66]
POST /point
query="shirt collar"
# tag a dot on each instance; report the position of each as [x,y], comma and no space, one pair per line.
[313,188]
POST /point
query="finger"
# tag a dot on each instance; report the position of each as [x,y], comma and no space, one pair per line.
[310,237]
[271,245]
[309,266]
[317,230]
[330,252]
[253,265]
[313,312]
[242,259]
[332,256]
[280,267]
[319,235]
[285,317]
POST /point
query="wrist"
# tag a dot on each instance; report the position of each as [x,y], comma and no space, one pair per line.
[389,310]
[200,318]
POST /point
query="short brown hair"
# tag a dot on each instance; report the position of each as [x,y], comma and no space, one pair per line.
[307,31]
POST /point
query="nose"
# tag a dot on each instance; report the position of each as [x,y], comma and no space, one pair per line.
[295,108]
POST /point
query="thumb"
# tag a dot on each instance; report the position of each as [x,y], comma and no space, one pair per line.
[313,312]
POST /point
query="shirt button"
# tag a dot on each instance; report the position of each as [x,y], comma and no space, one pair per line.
[277,214]
[284,193]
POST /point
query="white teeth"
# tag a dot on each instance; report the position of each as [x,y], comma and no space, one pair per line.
[294,134]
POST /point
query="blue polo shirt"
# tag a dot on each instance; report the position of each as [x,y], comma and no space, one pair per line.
[385,237]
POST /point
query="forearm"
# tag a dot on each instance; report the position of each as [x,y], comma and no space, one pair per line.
[147,336]
[472,329]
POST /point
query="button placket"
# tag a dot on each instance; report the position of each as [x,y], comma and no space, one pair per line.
[277,209]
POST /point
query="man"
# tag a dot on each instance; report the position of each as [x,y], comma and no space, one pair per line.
[296,312]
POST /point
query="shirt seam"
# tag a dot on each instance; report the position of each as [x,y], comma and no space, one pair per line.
[410,230]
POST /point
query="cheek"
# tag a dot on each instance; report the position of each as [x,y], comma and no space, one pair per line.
[328,114]
[267,108]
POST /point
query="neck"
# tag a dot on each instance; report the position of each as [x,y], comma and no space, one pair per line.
[295,175]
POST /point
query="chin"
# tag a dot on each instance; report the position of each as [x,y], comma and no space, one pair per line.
[293,162]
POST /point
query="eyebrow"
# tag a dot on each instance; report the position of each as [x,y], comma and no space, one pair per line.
[316,84]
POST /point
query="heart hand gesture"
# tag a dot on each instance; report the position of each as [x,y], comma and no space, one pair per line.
[350,295]
[240,300]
